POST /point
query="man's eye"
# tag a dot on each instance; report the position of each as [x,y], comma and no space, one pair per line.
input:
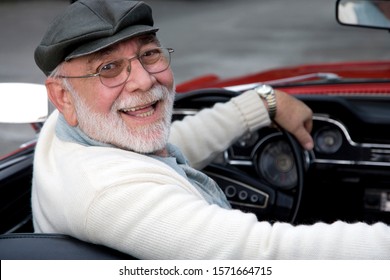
[152,52]
[112,69]
[109,66]
[151,56]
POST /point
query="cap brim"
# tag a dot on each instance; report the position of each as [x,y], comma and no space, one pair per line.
[102,43]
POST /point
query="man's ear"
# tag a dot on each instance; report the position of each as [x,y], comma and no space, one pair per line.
[62,100]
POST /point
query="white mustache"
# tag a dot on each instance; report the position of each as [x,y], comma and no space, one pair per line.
[155,94]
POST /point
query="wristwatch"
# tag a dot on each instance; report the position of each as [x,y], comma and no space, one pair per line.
[267,93]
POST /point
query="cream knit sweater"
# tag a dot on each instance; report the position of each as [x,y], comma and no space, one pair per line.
[141,206]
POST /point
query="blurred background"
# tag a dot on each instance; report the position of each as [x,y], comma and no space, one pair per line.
[225,37]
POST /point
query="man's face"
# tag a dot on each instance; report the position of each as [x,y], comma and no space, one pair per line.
[134,116]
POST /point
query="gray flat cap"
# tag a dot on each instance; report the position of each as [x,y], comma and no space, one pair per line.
[88,26]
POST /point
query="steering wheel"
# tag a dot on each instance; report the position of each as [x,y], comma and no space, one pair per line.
[266,176]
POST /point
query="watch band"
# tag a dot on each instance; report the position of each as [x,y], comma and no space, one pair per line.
[267,93]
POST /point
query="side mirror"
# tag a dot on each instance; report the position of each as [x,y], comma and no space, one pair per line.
[23,103]
[364,13]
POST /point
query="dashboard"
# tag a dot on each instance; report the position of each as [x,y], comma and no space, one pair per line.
[345,177]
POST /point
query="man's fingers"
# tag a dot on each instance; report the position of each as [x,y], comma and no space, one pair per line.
[304,138]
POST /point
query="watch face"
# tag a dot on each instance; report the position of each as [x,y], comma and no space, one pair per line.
[264,89]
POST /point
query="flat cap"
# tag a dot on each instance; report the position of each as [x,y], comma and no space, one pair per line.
[87,26]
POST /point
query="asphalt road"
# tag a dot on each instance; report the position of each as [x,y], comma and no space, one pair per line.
[225,37]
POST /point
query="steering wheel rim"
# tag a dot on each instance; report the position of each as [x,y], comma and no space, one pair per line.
[300,168]
[191,99]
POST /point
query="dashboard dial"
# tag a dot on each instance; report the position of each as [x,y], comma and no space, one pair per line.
[276,164]
[328,140]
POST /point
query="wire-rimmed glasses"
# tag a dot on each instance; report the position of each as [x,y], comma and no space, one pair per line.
[116,73]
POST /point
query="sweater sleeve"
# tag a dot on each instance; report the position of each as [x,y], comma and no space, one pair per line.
[151,221]
[210,132]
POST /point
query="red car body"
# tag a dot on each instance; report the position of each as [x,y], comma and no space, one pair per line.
[357,74]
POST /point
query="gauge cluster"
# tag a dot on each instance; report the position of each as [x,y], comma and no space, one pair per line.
[270,155]
[342,176]
[267,154]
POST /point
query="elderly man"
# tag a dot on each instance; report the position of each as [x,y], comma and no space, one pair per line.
[111,169]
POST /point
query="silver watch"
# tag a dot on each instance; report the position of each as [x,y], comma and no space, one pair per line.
[267,93]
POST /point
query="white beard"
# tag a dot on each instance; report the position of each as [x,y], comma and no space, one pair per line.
[111,128]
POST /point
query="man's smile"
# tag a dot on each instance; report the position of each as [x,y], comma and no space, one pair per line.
[142,111]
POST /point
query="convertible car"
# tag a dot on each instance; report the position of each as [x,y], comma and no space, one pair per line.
[345,177]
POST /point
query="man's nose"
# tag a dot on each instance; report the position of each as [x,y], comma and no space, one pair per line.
[139,78]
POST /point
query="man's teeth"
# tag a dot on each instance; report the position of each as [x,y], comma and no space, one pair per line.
[143,114]
[147,114]
[133,109]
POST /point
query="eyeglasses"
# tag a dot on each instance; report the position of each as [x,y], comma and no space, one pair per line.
[116,73]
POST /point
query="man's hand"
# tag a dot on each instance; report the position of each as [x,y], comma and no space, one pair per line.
[295,117]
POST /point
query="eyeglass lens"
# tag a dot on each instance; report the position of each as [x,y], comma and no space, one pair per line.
[117,72]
